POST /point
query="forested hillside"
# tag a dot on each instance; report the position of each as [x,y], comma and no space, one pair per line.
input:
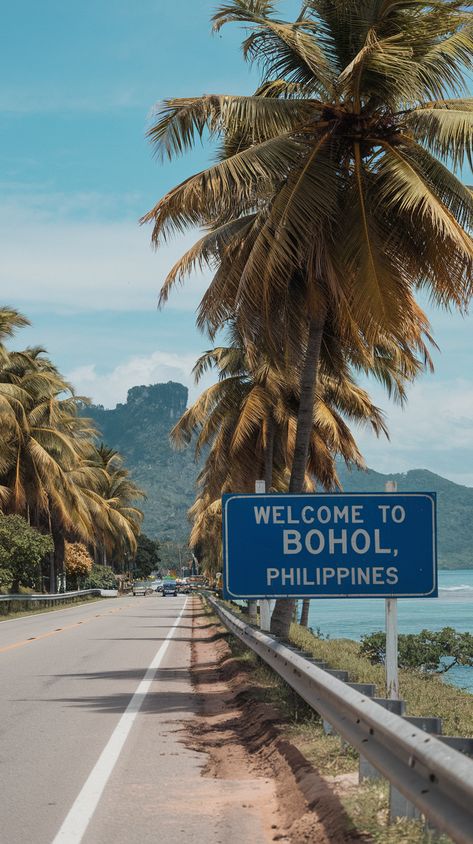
[140,428]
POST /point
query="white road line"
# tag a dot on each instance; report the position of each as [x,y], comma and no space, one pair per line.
[78,819]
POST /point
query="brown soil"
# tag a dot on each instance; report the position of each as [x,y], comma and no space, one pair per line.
[242,738]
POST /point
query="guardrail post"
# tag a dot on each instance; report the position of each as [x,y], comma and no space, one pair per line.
[400,806]
[367,771]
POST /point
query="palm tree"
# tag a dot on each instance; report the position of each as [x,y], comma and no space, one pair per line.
[336,171]
[247,423]
[10,321]
[339,144]
[111,494]
[50,472]
[43,450]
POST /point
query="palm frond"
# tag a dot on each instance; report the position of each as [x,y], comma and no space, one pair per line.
[212,192]
[446,129]
[181,121]
[205,252]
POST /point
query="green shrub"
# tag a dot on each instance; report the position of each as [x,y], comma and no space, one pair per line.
[431,651]
[101,577]
[22,550]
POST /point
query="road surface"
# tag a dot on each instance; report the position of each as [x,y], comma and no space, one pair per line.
[93,708]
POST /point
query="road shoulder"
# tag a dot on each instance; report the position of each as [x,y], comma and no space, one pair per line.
[243,738]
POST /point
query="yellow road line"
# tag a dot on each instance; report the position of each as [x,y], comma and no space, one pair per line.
[29,641]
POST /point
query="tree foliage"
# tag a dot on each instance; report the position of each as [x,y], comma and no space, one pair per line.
[100,577]
[147,557]
[428,651]
[78,562]
[22,551]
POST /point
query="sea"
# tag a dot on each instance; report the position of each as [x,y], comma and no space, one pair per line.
[352,618]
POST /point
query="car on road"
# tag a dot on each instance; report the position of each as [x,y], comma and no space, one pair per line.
[141,587]
[169,588]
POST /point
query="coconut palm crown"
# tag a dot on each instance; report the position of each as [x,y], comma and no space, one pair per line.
[346,146]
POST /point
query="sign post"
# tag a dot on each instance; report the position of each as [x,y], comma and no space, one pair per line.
[260,487]
[265,606]
[391,665]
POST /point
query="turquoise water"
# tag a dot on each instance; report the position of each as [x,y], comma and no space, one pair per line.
[351,619]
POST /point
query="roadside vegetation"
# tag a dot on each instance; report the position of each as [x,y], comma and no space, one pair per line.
[65,500]
[334,198]
[366,804]
[429,651]
[425,694]
[20,609]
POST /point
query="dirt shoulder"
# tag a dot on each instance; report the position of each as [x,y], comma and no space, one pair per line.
[242,736]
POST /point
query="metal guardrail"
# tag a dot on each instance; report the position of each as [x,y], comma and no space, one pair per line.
[435,778]
[57,596]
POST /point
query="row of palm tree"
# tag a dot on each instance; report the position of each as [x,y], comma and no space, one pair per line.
[52,471]
[334,200]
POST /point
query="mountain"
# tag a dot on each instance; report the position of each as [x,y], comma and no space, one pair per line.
[454,508]
[140,429]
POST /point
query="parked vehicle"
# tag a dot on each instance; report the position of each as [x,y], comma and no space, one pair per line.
[141,587]
[169,588]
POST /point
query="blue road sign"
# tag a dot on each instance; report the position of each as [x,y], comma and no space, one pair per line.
[354,545]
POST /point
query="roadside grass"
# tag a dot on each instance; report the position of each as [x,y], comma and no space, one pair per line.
[424,694]
[41,610]
[367,807]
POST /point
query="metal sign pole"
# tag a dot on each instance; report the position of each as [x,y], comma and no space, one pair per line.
[265,608]
[260,487]
[392,673]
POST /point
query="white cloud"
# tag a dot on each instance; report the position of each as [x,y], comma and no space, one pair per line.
[93,265]
[434,431]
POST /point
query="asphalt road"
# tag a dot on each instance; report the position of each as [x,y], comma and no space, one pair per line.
[93,703]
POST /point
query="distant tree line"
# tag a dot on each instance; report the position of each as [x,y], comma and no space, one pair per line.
[67,503]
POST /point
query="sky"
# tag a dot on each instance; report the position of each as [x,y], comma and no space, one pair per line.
[80,82]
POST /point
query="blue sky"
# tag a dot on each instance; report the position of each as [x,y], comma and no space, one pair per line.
[79,85]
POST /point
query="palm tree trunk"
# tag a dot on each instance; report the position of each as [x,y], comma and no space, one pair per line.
[52,574]
[283,611]
[304,622]
[269,453]
[59,549]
